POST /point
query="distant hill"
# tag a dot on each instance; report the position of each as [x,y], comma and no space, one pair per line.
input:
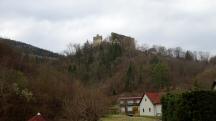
[29,49]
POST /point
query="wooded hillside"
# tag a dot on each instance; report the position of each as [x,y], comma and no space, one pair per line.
[119,69]
[29,49]
[81,85]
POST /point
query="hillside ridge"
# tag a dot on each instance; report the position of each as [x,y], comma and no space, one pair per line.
[29,49]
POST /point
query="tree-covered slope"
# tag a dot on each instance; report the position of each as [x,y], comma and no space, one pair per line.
[120,69]
[29,49]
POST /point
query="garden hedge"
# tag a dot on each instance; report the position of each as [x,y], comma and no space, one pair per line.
[189,106]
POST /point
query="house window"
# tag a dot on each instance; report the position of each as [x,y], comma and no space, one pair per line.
[130,102]
[130,109]
[149,109]
[143,110]
[145,99]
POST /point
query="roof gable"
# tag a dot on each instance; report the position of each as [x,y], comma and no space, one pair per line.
[154,97]
[38,117]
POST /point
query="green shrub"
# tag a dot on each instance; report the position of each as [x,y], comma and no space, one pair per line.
[189,106]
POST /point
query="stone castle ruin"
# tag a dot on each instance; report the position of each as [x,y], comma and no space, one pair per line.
[125,42]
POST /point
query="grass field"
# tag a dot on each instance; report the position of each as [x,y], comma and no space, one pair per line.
[126,118]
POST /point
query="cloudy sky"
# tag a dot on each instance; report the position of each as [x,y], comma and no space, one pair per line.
[52,24]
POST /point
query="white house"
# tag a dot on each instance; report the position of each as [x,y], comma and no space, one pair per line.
[150,105]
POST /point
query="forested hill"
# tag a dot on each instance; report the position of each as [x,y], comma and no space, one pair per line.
[29,49]
[87,79]
[121,67]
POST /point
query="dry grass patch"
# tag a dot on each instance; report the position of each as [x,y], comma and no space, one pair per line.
[126,118]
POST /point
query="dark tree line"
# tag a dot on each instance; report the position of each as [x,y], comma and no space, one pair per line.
[29,85]
[177,52]
[93,63]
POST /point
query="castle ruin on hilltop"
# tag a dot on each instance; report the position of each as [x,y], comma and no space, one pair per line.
[97,40]
[125,42]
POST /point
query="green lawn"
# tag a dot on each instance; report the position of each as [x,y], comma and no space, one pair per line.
[126,118]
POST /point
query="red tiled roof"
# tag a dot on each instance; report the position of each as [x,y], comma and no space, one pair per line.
[154,97]
[38,117]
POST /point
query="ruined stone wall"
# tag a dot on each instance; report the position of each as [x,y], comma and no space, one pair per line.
[125,41]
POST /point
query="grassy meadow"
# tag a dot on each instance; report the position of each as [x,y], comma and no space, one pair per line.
[126,118]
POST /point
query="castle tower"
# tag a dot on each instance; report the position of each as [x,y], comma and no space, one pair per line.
[97,40]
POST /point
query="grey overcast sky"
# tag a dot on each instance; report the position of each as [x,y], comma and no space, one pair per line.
[52,24]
